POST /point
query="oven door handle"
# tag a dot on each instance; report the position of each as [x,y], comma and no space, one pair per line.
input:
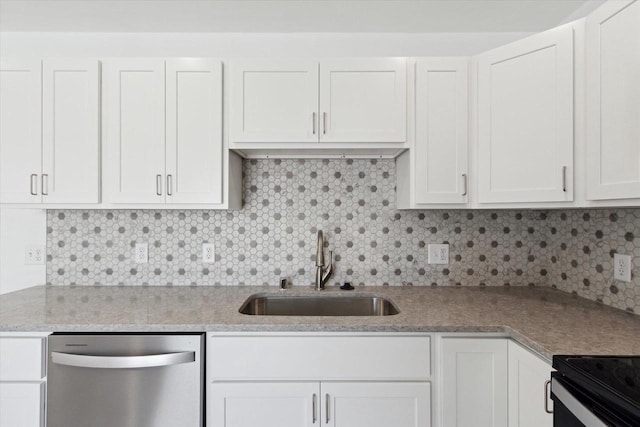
[122,362]
[581,412]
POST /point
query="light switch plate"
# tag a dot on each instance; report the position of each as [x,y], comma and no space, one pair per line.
[438,254]
[34,255]
[622,267]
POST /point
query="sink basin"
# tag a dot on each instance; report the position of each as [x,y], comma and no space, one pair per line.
[277,305]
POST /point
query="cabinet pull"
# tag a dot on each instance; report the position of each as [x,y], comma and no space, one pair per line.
[324,123]
[45,184]
[464,180]
[564,179]
[169,185]
[33,188]
[314,122]
[159,185]
[547,383]
[327,402]
[314,416]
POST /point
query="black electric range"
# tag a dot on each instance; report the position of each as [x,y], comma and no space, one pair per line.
[596,391]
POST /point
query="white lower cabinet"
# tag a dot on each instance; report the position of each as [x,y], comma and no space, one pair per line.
[295,379]
[336,404]
[337,380]
[474,382]
[22,404]
[529,404]
[22,379]
[268,404]
[376,404]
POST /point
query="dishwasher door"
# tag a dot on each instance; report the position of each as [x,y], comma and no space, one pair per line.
[117,380]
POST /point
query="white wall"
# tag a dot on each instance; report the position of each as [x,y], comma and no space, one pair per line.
[20,228]
[234,45]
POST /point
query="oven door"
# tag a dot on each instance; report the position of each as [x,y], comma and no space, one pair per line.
[575,407]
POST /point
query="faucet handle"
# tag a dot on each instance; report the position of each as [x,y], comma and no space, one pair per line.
[328,270]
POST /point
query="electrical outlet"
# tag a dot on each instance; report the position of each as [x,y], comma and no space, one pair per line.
[622,267]
[141,253]
[34,255]
[438,254]
[208,253]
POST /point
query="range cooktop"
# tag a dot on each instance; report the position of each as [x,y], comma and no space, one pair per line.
[615,379]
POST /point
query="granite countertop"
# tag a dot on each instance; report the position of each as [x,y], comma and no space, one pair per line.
[546,320]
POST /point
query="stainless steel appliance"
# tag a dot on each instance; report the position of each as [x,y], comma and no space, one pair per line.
[596,391]
[118,380]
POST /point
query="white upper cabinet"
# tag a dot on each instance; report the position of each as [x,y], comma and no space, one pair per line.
[333,101]
[164,135]
[441,142]
[70,131]
[613,101]
[135,140]
[525,120]
[274,101]
[194,163]
[49,131]
[363,100]
[20,131]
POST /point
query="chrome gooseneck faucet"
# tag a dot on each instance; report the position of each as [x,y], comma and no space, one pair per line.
[322,273]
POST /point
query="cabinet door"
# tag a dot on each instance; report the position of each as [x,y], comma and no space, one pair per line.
[363,100]
[525,120]
[274,101]
[527,377]
[274,404]
[22,404]
[613,109]
[441,130]
[194,131]
[135,130]
[474,382]
[20,131]
[70,134]
[371,404]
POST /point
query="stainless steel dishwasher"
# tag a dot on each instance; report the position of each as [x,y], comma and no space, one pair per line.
[118,380]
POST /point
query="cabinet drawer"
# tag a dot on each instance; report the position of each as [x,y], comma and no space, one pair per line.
[22,358]
[22,404]
[318,357]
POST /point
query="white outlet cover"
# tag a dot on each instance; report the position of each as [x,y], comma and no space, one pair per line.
[622,267]
[35,255]
[141,253]
[438,254]
[208,253]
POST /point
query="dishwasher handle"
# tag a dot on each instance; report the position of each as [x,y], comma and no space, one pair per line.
[122,362]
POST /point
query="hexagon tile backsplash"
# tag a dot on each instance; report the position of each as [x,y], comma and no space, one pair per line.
[353,202]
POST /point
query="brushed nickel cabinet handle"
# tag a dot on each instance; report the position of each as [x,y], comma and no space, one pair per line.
[169,185]
[314,123]
[464,178]
[564,179]
[45,184]
[159,185]
[547,383]
[33,189]
[324,123]
[327,401]
[314,416]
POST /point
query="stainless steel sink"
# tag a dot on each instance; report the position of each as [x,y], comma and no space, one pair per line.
[277,305]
